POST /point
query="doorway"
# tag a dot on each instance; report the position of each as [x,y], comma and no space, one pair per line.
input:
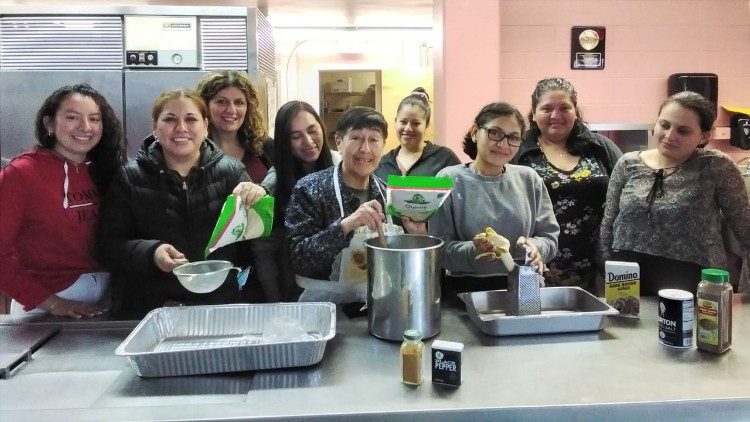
[341,90]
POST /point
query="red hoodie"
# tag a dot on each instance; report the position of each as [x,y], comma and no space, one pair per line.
[48,211]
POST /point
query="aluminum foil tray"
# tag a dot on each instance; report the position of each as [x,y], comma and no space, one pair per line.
[564,309]
[193,340]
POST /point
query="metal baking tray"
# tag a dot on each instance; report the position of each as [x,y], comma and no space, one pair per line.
[564,309]
[191,340]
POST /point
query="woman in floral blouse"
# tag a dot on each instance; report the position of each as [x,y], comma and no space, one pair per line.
[575,165]
[665,205]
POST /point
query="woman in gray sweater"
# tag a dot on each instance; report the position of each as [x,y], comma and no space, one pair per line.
[489,192]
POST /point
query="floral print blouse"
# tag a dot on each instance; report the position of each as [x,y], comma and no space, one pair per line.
[578,201]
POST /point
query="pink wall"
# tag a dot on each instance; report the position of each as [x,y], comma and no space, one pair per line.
[467,65]
[647,40]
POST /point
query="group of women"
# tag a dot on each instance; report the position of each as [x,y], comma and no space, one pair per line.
[81,217]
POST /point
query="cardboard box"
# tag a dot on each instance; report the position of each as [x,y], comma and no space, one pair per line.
[446,362]
[342,85]
[622,287]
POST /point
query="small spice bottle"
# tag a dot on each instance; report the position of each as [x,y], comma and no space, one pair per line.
[714,304]
[411,357]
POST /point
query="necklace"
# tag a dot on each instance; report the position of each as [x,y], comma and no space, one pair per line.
[546,151]
[473,168]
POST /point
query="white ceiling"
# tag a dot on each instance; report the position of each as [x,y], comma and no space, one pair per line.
[348,13]
[304,13]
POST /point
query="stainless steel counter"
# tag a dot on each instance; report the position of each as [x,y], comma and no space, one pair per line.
[619,373]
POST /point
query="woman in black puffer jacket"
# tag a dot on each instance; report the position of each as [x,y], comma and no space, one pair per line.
[162,207]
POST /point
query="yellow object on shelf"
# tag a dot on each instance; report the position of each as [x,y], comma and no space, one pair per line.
[737,109]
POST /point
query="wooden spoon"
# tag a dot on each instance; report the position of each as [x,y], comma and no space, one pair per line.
[381,236]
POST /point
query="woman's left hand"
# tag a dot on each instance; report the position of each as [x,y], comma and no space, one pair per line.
[414,227]
[249,193]
[534,255]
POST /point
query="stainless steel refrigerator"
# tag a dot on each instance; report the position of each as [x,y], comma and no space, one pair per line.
[129,54]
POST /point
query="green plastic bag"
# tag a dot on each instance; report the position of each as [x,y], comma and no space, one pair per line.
[416,197]
[237,223]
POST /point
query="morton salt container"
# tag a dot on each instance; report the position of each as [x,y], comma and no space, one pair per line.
[676,318]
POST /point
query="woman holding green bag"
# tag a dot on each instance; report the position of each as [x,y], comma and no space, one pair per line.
[162,208]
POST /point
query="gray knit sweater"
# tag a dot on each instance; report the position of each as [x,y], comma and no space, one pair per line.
[514,204]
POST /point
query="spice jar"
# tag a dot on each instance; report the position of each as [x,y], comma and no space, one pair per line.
[714,303]
[411,357]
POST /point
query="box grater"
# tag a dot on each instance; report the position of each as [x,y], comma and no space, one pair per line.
[524,297]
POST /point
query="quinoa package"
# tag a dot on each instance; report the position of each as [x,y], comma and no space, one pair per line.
[238,223]
[416,197]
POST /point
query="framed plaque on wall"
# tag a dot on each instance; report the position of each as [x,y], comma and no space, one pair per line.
[587,47]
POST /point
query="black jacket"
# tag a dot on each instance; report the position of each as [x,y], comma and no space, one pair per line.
[599,146]
[434,158]
[149,204]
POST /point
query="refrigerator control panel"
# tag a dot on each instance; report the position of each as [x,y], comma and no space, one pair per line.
[142,58]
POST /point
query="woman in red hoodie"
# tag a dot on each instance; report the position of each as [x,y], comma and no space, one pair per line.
[50,204]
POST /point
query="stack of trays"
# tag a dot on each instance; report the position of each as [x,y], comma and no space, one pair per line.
[225,338]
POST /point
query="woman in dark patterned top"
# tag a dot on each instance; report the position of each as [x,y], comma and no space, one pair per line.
[664,205]
[575,165]
[327,207]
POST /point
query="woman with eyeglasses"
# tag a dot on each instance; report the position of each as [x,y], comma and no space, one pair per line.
[415,156]
[665,205]
[490,192]
[49,206]
[575,165]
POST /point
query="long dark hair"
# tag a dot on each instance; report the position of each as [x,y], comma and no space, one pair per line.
[252,133]
[288,167]
[573,144]
[108,154]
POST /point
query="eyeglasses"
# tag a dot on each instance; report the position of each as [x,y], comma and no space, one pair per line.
[498,135]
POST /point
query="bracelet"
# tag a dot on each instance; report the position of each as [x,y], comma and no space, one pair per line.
[54,304]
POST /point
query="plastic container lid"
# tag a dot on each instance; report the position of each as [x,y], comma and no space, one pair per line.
[412,335]
[715,275]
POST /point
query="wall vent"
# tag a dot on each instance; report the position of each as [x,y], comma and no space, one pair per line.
[61,42]
[224,43]
[266,46]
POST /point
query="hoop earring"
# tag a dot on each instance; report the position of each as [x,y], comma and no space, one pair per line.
[154,135]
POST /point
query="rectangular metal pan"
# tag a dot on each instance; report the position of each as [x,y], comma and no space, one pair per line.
[193,340]
[564,309]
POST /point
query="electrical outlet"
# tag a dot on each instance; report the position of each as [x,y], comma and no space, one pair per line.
[721,132]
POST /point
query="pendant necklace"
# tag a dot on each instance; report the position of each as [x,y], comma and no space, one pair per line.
[545,151]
